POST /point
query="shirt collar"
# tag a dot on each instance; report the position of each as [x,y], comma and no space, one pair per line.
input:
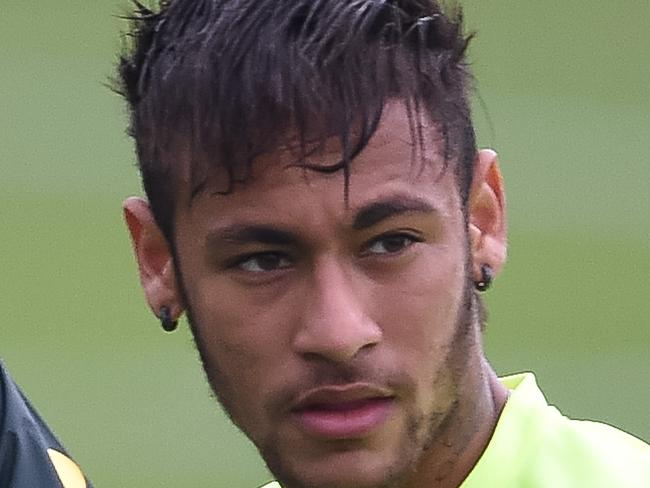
[515,434]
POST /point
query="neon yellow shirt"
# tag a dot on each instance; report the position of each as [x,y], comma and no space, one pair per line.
[535,446]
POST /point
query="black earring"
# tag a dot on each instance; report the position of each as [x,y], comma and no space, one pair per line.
[166,321]
[486,278]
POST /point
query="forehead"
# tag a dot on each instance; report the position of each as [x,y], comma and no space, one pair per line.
[404,157]
[400,132]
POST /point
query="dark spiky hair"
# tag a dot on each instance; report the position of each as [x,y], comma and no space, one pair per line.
[223,81]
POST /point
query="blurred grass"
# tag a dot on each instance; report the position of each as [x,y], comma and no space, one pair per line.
[566,87]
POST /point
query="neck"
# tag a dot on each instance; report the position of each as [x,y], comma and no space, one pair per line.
[450,460]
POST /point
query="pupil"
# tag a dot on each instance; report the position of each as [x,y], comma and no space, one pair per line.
[394,244]
[269,261]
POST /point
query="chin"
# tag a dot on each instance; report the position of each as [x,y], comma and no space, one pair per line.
[345,469]
[337,480]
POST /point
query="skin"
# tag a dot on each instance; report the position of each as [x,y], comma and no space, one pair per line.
[382,299]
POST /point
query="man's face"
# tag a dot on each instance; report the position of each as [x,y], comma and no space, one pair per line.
[336,336]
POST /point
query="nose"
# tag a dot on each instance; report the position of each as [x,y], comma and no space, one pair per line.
[335,324]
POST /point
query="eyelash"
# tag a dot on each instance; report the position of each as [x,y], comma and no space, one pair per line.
[240,261]
[406,236]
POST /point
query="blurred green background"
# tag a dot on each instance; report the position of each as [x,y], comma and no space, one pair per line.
[567,91]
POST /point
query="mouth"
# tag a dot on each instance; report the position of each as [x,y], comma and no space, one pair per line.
[343,412]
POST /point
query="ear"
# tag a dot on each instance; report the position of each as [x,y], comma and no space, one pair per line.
[487,215]
[155,261]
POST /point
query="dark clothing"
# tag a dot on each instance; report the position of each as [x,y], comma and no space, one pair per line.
[25,439]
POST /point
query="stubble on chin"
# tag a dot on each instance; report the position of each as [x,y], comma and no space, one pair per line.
[290,477]
[435,438]
[422,432]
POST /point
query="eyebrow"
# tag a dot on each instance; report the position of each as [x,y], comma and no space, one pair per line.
[376,212]
[245,234]
[367,216]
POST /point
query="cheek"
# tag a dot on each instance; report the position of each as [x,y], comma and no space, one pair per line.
[227,323]
[239,353]
[419,314]
[242,337]
[423,302]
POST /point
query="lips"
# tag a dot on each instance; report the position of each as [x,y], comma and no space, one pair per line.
[343,412]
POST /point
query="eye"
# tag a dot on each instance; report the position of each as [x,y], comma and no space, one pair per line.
[263,262]
[391,244]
